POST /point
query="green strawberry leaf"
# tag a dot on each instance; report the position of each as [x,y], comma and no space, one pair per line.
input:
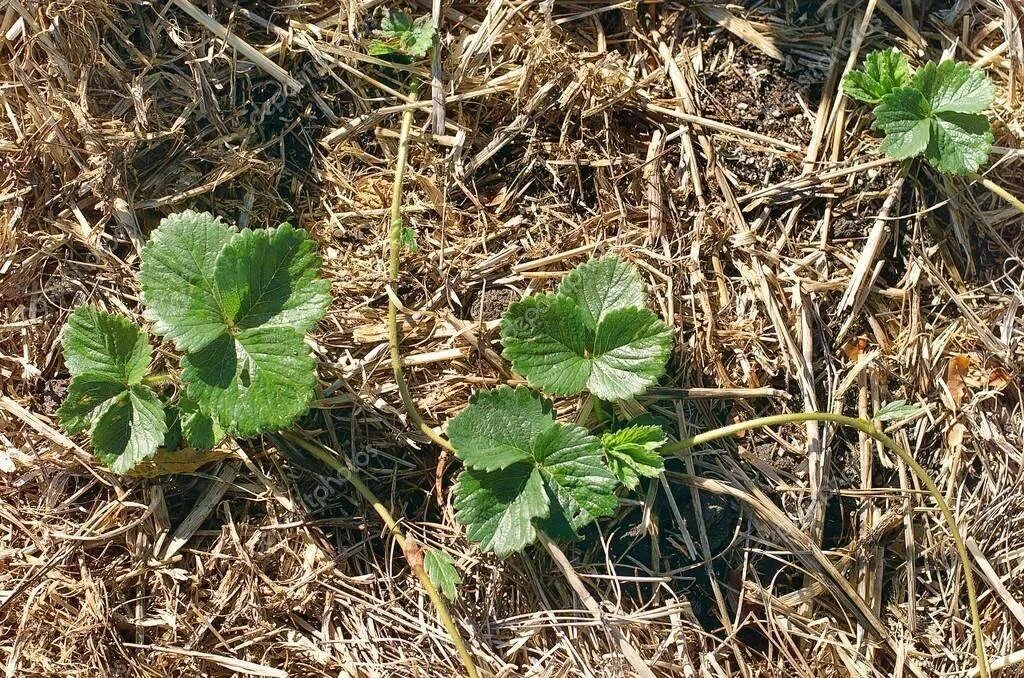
[498,507]
[959,142]
[199,430]
[499,427]
[940,116]
[87,395]
[633,452]
[270,278]
[177,278]
[108,356]
[105,345]
[129,429]
[256,380]
[545,337]
[630,352]
[420,37]
[592,334]
[904,117]
[524,470]
[603,285]
[442,572]
[884,71]
[239,303]
[401,36]
[953,86]
[572,465]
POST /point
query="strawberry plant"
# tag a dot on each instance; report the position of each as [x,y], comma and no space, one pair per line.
[524,471]
[528,477]
[937,111]
[236,304]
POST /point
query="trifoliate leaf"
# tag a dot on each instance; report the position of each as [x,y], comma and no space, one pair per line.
[108,356]
[270,278]
[904,118]
[499,427]
[498,507]
[954,86]
[248,299]
[524,470]
[603,285]
[633,452]
[177,278]
[442,572]
[199,430]
[939,115]
[884,70]
[105,345]
[129,429]
[594,334]
[959,142]
[256,380]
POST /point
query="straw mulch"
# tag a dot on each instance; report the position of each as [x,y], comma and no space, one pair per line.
[705,143]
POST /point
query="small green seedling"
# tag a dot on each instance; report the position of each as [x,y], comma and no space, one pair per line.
[937,111]
[402,38]
[237,305]
[525,472]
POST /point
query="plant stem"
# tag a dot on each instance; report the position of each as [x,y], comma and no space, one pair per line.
[407,544]
[397,224]
[869,429]
[1000,191]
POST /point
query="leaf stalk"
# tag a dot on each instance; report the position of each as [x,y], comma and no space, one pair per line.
[395,249]
[999,191]
[869,429]
[406,543]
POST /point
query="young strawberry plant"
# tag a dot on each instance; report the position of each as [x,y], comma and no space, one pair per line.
[527,477]
[236,304]
[937,112]
[402,38]
[527,473]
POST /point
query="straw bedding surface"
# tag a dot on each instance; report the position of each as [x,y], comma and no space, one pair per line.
[705,142]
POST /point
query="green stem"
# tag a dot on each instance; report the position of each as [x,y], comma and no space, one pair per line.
[157,379]
[394,336]
[869,429]
[1000,191]
[407,544]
